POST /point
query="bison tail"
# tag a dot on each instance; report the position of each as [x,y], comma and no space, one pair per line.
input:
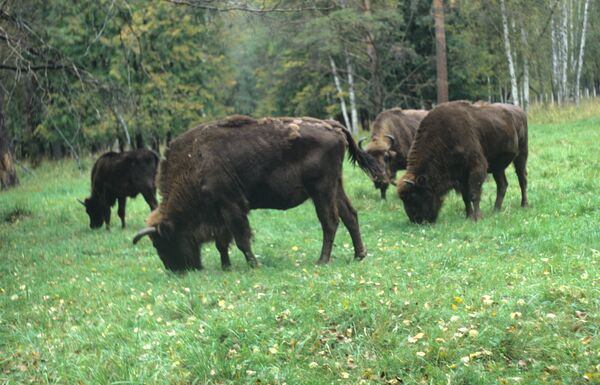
[361,158]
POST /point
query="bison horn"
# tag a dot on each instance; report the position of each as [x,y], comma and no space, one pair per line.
[142,233]
[391,138]
[360,142]
[408,181]
[80,201]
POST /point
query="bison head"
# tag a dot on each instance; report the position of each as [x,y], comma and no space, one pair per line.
[421,203]
[381,150]
[96,210]
[177,250]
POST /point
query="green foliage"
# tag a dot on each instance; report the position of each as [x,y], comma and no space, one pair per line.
[510,299]
[157,67]
[162,67]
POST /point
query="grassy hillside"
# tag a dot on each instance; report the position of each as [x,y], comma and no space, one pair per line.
[512,299]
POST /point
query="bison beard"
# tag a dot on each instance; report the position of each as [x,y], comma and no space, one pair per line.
[214,174]
[116,176]
[391,136]
[455,147]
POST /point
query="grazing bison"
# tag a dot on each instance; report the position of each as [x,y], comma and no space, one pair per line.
[214,174]
[116,176]
[456,145]
[391,136]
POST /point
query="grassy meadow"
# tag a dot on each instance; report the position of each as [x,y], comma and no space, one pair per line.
[512,299]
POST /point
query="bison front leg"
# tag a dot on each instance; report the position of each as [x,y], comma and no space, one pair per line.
[350,220]
[121,210]
[466,196]
[222,240]
[237,223]
[476,179]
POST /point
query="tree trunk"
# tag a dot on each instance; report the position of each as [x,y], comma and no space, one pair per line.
[581,50]
[139,140]
[351,91]
[555,68]
[8,173]
[440,52]
[123,124]
[511,65]
[373,55]
[525,51]
[338,86]
[564,52]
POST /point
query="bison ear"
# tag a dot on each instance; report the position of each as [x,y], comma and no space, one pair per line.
[422,180]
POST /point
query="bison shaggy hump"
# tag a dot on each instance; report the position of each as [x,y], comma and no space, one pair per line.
[214,174]
[456,146]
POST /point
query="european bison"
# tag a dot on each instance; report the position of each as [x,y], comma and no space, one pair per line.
[116,176]
[391,136]
[214,174]
[456,145]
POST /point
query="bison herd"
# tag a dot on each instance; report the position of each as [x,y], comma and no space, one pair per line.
[214,174]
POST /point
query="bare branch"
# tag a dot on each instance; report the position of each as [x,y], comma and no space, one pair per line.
[32,68]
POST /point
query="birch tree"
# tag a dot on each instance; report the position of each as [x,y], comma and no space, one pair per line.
[564,51]
[525,56]
[555,65]
[352,94]
[581,50]
[340,92]
[509,56]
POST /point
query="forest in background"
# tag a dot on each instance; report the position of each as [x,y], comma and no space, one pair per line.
[76,77]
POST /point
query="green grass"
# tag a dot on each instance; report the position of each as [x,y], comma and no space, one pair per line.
[512,299]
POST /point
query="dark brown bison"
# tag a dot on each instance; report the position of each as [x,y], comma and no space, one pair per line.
[391,136]
[214,174]
[116,176]
[456,146]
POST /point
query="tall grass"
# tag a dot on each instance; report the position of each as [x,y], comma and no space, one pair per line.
[564,114]
[512,299]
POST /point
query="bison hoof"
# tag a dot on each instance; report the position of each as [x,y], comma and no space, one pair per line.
[360,257]
[226,267]
[322,261]
[253,263]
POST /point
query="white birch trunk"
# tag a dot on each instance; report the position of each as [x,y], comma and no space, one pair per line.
[123,124]
[581,50]
[338,87]
[353,109]
[555,70]
[525,49]
[564,52]
[511,66]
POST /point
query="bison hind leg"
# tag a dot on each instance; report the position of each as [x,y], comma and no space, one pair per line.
[121,210]
[521,170]
[501,186]
[324,198]
[350,219]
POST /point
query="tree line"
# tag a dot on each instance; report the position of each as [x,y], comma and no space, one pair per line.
[79,77]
